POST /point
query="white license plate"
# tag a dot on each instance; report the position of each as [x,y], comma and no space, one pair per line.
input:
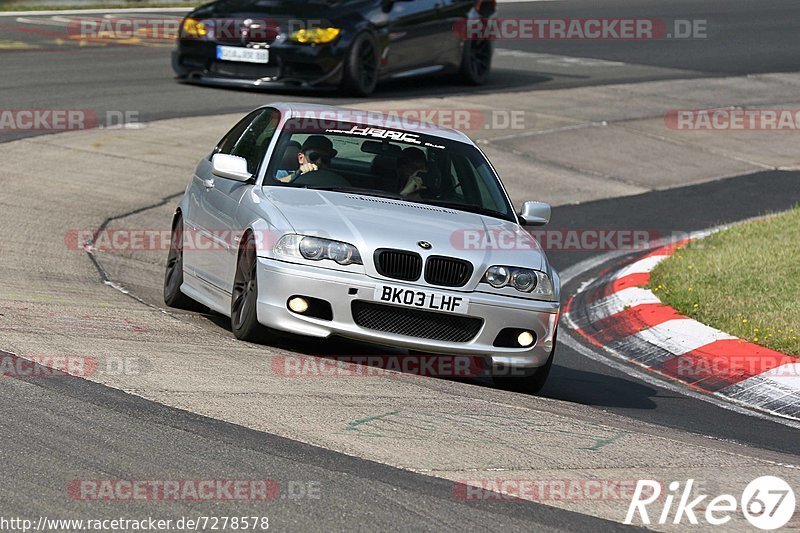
[427,300]
[244,55]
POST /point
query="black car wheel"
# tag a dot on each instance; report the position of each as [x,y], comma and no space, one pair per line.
[173,277]
[476,61]
[530,384]
[361,66]
[244,318]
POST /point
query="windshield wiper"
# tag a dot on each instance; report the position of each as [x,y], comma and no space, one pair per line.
[356,190]
[469,208]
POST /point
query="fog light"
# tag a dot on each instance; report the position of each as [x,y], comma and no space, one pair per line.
[300,305]
[525,339]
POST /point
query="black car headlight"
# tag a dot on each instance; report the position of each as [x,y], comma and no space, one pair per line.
[526,280]
[315,35]
[317,249]
[193,29]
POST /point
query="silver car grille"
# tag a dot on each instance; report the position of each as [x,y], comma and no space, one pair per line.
[407,266]
[415,323]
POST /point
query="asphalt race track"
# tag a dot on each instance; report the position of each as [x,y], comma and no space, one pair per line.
[96,430]
[134,77]
[384,453]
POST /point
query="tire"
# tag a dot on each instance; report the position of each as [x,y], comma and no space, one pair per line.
[533,383]
[476,61]
[173,275]
[244,298]
[361,66]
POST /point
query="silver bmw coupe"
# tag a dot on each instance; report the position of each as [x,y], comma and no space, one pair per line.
[324,221]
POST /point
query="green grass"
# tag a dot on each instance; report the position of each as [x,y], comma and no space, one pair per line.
[22,6]
[744,281]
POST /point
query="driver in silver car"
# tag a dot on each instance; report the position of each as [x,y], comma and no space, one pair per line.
[315,154]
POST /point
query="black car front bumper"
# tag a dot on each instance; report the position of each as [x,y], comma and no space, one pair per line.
[290,64]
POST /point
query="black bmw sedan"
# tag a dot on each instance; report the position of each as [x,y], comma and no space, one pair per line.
[349,44]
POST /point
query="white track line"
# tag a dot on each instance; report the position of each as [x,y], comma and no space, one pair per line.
[40,21]
[554,60]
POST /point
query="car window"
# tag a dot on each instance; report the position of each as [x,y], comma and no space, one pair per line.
[470,184]
[253,143]
[226,145]
[250,138]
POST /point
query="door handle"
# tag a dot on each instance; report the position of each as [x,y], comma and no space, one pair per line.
[208,184]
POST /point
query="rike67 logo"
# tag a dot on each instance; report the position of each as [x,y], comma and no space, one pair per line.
[768,503]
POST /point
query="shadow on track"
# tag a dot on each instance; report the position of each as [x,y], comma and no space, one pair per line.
[588,388]
[502,80]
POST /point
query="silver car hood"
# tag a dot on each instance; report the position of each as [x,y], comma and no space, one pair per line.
[370,223]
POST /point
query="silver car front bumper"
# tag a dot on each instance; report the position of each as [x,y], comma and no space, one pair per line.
[279,281]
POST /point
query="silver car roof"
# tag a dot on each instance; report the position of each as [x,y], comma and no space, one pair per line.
[366,117]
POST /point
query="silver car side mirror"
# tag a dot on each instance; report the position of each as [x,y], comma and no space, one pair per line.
[230,166]
[535,213]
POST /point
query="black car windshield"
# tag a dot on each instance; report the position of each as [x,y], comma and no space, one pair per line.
[381,161]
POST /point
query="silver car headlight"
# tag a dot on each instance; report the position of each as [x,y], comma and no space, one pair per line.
[534,282]
[317,249]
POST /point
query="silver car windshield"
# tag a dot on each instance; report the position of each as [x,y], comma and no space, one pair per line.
[408,165]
